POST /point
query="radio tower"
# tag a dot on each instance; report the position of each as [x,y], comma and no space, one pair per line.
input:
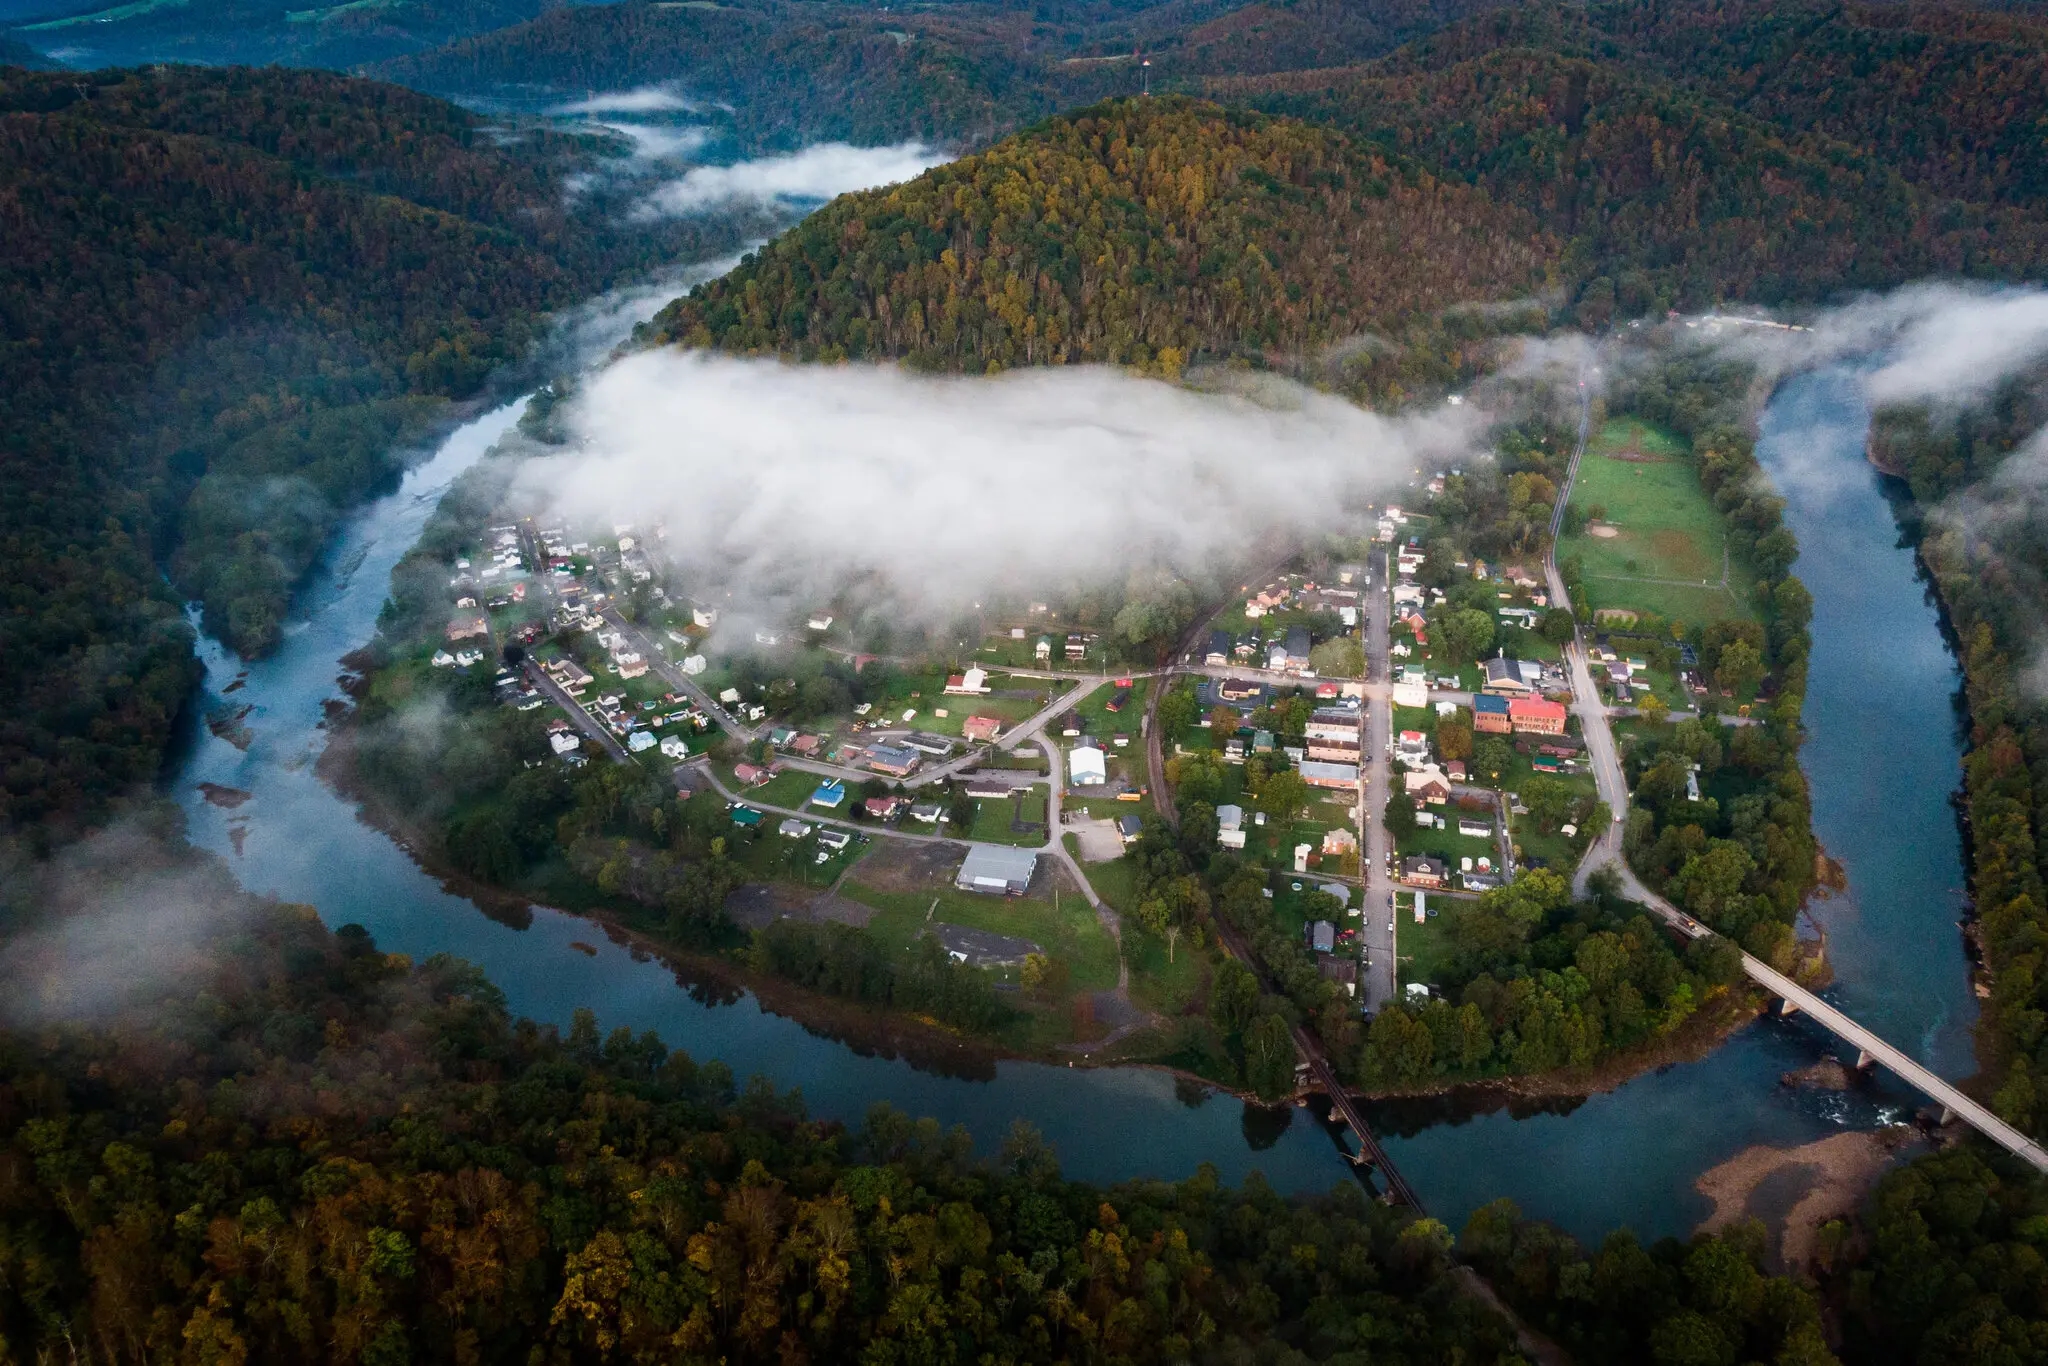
[1144,72]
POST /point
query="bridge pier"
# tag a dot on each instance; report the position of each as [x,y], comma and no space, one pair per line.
[1864,1062]
[1788,1006]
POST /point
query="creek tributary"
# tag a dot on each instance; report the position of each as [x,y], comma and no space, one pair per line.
[1629,1156]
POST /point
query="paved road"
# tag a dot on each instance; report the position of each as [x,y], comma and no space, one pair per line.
[1606,852]
[1377,722]
[578,717]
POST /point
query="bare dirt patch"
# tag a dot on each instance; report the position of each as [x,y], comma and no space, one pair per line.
[1604,530]
[758,905]
[1099,840]
[903,866]
[1802,1188]
[1680,552]
[1636,456]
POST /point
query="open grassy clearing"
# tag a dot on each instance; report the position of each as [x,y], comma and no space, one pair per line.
[993,817]
[1068,933]
[1656,524]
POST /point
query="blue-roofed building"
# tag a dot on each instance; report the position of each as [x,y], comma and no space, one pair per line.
[1490,714]
[829,795]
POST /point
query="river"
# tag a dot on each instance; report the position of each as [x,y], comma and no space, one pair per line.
[1626,1157]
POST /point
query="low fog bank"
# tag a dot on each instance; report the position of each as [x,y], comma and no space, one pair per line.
[813,175]
[774,479]
[118,922]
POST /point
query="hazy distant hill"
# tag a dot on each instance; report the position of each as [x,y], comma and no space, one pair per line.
[1147,232]
[225,295]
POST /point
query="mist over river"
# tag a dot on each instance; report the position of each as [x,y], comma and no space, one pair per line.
[1880,669]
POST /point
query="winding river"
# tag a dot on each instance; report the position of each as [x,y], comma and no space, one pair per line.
[1626,1157]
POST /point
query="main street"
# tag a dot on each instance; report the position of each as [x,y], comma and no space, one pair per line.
[1378,983]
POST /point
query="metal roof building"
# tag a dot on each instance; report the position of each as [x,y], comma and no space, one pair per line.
[996,868]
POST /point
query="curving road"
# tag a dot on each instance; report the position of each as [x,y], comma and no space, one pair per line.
[1606,853]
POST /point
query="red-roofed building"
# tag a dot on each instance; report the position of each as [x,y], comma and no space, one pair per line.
[1538,715]
[751,774]
[981,729]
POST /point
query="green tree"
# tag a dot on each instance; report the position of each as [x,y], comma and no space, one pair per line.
[1466,633]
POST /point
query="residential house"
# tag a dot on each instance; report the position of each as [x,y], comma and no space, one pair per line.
[704,617]
[565,741]
[746,816]
[937,746]
[830,795]
[1427,786]
[673,747]
[1490,714]
[468,625]
[1077,647]
[1337,842]
[1130,827]
[694,665]
[807,745]
[897,761]
[1119,699]
[1412,747]
[640,741]
[1475,829]
[1297,650]
[1230,826]
[1322,937]
[980,730]
[753,775]
[820,622]
[1042,651]
[931,813]
[630,663]
[1537,715]
[1422,870]
[883,808]
[1070,725]
[834,840]
[793,828]
[1219,649]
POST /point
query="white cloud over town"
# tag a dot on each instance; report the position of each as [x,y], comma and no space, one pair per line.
[770,476]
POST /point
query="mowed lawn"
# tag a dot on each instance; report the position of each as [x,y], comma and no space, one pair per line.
[1657,524]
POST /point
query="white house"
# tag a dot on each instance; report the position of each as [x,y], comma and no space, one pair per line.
[1230,826]
[565,742]
[672,747]
[695,665]
[640,740]
[1086,767]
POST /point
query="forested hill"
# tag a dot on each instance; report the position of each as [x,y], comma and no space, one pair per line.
[1137,232]
[224,296]
[1608,130]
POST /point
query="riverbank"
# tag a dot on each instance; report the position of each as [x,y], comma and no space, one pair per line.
[1795,1192]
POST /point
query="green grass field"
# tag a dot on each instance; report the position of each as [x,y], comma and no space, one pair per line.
[1420,951]
[1070,934]
[992,817]
[1657,524]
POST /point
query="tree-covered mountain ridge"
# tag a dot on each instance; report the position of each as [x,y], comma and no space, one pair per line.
[228,300]
[1139,232]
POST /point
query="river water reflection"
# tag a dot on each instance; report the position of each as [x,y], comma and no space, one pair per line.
[1627,1157]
